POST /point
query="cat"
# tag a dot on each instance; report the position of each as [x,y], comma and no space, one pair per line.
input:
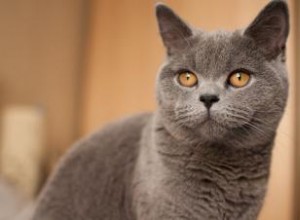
[205,152]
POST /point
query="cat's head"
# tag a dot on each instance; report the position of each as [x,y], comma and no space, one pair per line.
[228,87]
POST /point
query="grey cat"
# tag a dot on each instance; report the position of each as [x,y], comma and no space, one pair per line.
[205,153]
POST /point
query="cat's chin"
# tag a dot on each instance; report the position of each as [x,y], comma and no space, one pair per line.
[211,130]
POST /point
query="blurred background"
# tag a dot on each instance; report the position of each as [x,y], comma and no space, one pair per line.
[67,67]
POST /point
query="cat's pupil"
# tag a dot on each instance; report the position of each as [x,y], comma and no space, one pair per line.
[239,76]
[188,76]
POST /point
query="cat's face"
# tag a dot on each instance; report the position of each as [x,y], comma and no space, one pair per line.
[224,86]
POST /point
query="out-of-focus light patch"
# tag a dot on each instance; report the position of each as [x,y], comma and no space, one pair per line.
[22,144]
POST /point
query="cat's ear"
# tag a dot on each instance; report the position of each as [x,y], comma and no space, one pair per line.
[270,29]
[174,32]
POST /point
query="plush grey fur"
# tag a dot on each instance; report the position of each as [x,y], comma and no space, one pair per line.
[185,161]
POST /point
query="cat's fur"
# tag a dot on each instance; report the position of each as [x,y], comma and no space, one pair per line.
[178,163]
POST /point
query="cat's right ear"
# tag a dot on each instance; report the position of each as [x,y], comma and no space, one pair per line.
[174,32]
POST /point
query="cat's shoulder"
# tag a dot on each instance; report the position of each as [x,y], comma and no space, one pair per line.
[105,151]
[102,160]
[118,131]
[116,138]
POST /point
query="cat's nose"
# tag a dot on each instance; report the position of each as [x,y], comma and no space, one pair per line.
[209,99]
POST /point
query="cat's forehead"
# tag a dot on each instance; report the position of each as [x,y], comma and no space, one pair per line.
[216,52]
[213,54]
[217,36]
[206,44]
[216,41]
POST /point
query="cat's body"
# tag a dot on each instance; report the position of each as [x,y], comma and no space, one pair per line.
[205,153]
[119,176]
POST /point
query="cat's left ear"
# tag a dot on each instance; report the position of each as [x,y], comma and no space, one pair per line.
[174,32]
[270,29]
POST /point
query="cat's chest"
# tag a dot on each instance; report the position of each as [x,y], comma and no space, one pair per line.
[206,195]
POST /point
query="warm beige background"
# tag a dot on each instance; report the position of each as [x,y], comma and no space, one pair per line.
[124,52]
[40,60]
[297,128]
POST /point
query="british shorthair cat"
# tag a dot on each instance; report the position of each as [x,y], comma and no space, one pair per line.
[205,152]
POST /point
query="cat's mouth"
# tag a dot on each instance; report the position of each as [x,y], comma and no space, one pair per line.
[209,117]
[210,120]
[214,125]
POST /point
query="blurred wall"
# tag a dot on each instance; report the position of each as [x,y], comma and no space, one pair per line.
[40,61]
[125,51]
[297,130]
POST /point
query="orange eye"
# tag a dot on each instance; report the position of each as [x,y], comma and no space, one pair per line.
[239,79]
[187,79]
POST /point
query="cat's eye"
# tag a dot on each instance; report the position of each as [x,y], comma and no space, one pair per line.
[187,79]
[239,79]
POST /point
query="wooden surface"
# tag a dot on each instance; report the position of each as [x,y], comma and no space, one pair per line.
[124,54]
